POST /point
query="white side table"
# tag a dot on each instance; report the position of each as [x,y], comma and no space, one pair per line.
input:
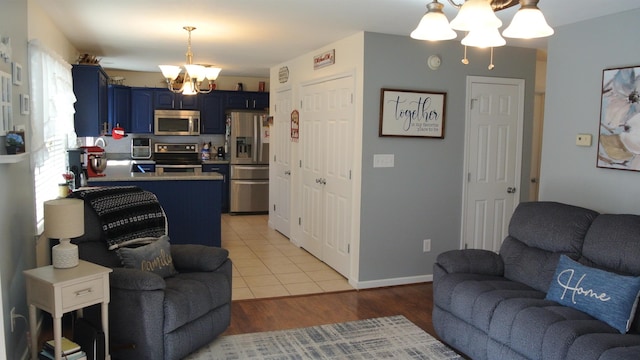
[59,291]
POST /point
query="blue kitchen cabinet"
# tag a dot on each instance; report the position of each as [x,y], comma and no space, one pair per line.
[165,99]
[212,117]
[192,208]
[142,110]
[119,99]
[90,89]
[222,169]
[247,100]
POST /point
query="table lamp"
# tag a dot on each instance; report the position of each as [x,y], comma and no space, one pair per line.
[63,220]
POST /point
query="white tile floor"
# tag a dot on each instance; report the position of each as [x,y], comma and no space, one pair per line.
[266,264]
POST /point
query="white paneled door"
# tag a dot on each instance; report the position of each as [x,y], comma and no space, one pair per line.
[280,167]
[326,139]
[493,153]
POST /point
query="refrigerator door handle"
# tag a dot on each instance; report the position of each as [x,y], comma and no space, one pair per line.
[256,137]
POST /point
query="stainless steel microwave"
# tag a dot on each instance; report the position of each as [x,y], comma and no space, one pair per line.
[176,122]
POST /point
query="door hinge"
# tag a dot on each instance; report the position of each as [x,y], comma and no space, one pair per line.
[349,174]
[275,157]
[299,221]
[468,177]
[274,207]
[348,248]
[351,98]
[300,165]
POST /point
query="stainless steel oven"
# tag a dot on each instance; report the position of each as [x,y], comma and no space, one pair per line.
[177,158]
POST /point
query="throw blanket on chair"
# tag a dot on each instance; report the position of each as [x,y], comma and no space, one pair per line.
[128,214]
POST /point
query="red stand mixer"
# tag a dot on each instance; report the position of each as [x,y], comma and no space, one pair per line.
[94,160]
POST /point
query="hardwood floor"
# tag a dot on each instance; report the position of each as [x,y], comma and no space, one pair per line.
[415,302]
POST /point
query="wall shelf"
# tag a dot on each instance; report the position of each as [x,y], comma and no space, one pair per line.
[12,159]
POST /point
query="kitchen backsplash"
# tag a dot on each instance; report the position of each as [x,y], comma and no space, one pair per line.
[121,149]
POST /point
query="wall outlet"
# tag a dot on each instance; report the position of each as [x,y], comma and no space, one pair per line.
[426,245]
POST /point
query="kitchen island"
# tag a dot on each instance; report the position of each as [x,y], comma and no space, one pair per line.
[190,201]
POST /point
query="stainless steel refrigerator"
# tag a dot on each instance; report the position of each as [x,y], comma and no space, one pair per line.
[249,147]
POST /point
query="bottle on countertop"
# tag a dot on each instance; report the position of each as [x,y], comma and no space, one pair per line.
[205,153]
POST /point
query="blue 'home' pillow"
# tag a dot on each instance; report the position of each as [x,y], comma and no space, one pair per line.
[609,297]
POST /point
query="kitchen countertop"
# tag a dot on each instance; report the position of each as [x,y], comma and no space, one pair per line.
[120,170]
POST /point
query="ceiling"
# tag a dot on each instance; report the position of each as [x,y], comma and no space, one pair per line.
[247,37]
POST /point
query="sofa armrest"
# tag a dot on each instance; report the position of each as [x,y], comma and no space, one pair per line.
[134,279]
[471,261]
[192,257]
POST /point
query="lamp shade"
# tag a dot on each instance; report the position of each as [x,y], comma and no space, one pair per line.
[475,15]
[63,218]
[528,23]
[212,72]
[484,38]
[170,71]
[434,25]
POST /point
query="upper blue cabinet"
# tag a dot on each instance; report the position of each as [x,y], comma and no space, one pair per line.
[165,99]
[90,89]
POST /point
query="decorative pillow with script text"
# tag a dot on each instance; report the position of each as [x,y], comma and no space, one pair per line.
[606,296]
[154,257]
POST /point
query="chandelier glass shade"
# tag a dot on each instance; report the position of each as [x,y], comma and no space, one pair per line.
[477,17]
[434,25]
[194,74]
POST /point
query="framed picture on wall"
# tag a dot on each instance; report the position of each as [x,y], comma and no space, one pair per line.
[412,113]
[17,73]
[619,134]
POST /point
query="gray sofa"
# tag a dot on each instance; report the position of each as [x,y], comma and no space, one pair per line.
[152,317]
[493,306]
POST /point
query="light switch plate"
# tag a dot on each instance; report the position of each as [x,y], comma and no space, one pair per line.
[383,160]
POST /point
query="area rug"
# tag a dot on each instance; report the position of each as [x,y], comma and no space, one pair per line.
[392,337]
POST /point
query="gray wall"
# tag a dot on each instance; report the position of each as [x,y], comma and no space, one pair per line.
[421,197]
[17,244]
[577,54]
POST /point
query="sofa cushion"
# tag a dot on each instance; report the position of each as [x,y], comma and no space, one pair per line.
[551,226]
[154,257]
[528,265]
[538,233]
[609,297]
[613,243]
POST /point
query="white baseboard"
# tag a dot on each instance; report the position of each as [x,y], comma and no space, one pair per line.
[391,282]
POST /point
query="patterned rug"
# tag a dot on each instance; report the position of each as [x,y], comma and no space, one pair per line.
[392,337]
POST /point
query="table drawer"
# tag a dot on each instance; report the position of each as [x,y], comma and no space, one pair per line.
[82,294]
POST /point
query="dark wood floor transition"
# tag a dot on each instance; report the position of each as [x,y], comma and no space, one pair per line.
[414,301]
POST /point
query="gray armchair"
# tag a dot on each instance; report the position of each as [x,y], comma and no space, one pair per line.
[151,317]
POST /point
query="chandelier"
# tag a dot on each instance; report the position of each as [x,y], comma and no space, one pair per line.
[478,20]
[194,74]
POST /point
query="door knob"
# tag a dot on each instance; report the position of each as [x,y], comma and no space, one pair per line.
[287,172]
[511,190]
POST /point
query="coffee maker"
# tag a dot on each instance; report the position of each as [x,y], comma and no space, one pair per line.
[75,159]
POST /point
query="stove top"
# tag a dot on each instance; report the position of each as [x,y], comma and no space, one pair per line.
[176,154]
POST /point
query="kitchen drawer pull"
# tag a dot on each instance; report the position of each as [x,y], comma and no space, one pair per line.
[84,292]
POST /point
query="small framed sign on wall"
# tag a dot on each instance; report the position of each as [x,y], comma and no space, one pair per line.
[412,113]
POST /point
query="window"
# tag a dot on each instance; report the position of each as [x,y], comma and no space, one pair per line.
[51,122]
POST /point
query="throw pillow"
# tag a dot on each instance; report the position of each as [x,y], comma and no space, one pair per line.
[606,296]
[154,257]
